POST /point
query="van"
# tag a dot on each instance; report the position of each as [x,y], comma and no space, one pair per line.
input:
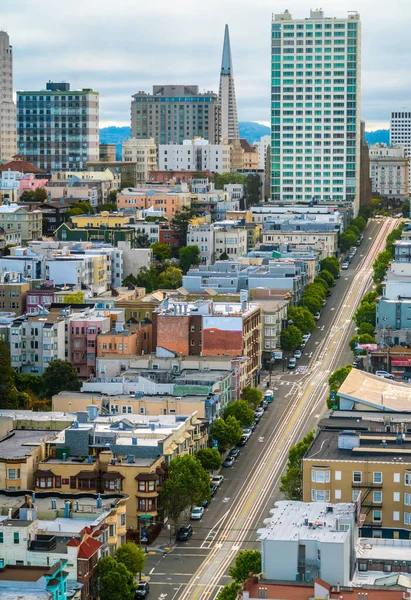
[269,396]
[292,363]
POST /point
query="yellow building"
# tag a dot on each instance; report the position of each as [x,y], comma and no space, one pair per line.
[372,462]
[103,219]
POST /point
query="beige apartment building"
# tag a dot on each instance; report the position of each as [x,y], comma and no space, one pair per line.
[389,171]
[28,222]
[373,465]
[143,153]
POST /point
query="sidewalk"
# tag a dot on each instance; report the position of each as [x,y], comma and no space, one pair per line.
[161,544]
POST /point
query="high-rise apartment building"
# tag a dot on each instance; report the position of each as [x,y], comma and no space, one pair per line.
[7,106]
[143,153]
[400,130]
[228,104]
[58,128]
[173,113]
[315,108]
[389,171]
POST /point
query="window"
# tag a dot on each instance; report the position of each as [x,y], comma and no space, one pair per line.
[355,494]
[112,530]
[1,537]
[407,479]
[141,486]
[357,476]
[320,495]
[122,520]
[320,476]
[14,474]
[151,486]
[337,494]
[73,482]
[377,497]
[16,537]
[397,477]
[396,515]
[377,477]
[338,476]
[396,496]
[57,481]
[377,516]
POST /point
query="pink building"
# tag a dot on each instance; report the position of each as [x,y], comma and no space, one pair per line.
[29,182]
[83,342]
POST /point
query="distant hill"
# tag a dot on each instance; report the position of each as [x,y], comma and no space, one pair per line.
[381,136]
[252,131]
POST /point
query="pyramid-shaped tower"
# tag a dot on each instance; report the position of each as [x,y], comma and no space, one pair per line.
[228,105]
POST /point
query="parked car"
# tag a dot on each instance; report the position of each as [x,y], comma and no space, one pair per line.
[243,441]
[197,513]
[213,490]
[292,363]
[205,503]
[269,396]
[298,354]
[217,480]
[184,533]
[234,452]
[345,265]
[142,590]
[264,404]
[324,303]
[384,374]
[406,376]
[357,363]
[328,294]
[247,432]
[253,426]
[259,412]
[229,461]
[317,316]
[306,337]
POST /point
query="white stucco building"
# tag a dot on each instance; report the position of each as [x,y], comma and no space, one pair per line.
[389,171]
[194,155]
[142,152]
[262,145]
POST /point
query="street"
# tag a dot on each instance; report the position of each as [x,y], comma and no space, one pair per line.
[198,568]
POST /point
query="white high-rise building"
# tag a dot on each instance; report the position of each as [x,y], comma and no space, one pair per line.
[262,146]
[194,155]
[143,153]
[389,171]
[226,96]
[400,130]
[8,132]
[315,108]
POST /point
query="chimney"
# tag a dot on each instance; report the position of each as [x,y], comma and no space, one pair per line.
[10,513]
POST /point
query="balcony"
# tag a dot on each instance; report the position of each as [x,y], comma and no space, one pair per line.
[43,543]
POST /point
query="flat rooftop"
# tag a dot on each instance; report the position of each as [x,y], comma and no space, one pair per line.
[376,392]
[383,549]
[20,442]
[42,502]
[292,520]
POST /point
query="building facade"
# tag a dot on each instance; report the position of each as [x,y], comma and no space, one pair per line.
[195,155]
[58,128]
[227,100]
[8,141]
[173,113]
[390,171]
[315,102]
[400,130]
[28,222]
[143,152]
[262,147]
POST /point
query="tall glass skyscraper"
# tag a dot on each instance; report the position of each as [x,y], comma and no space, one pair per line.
[315,108]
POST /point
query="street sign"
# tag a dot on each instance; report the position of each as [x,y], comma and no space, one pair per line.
[276,355]
[145,517]
[215,443]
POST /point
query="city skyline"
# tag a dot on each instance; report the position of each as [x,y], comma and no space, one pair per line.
[183,53]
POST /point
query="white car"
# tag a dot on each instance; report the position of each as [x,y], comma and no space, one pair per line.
[217,480]
[306,337]
[345,266]
[384,374]
[298,354]
[317,316]
[197,513]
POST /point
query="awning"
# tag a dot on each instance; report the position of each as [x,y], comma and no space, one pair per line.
[401,363]
[112,475]
[44,473]
[146,477]
[87,475]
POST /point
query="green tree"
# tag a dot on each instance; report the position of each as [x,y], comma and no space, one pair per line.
[366,328]
[302,318]
[112,197]
[330,264]
[363,338]
[226,433]
[109,206]
[365,313]
[290,338]
[347,240]
[8,392]
[291,482]
[85,207]
[229,591]
[210,458]
[252,396]
[26,382]
[146,278]
[246,562]
[366,210]
[60,375]
[327,276]
[153,219]
[187,485]
[405,209]
[142,240]
[171,278]
[224,256]
[354,230]
[241,411]
[115,582]
[336,380]
[252,189]
[189,256]
[161,252]
[132,557]
[370,297]
[321,281]
[222,179]
[74,298]
[380,265]
[73,212]
[40,194]
[179,224]
[360,223]
[127,183]
[311,301]
[27,196]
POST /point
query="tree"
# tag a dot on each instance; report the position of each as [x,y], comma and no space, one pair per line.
[355,230]
[26,382]
[146,278]
[161,252]
[127,183]
[241,411]
[8,392]
[246,562]
[179,224]
[226,433]
[142,241]
[363,338]
[115,582]
[370,297]
[252,189]
[302,318]
[327,276]
[222,179]
[252,396]
[330,264]
[187,485]
[405,209]
[229,591]
[380,265]
[132,557]
[60,375]
[40,194]
[366,210]
[365,313]
[321,281]
[74,298]
[366,328]
[347,240]
[336,380]
[112,197]
[360,223]
[209,458]
[86,208]
[171,278]
[290,338]
[27,196]
[224,256]
[109,206]
[311,301]
[189,256]
[291,482]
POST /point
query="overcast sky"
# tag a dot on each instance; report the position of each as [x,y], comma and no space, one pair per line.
[123,46]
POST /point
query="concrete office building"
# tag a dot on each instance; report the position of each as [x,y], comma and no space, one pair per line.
[228,104]
[400,130]
[390,171]
[143,153]
[195,155]
[8,142]
[262,146]
[315,108]
[58,128]
[173,113]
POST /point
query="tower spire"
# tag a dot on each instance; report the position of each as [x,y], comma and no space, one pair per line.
[228,105]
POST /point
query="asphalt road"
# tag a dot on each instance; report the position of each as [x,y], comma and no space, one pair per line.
[198,568]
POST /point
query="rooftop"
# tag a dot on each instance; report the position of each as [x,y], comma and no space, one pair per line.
[20,443]
[292,520]
[376,392]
